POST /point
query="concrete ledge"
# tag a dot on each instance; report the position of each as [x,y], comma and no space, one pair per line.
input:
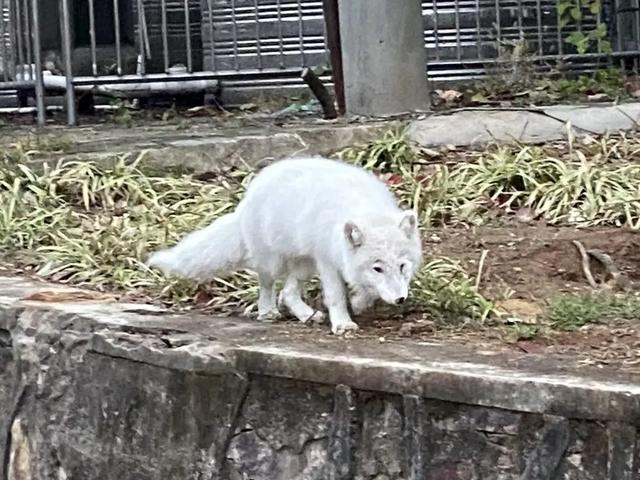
[204,148]
[104,390]
[476,127]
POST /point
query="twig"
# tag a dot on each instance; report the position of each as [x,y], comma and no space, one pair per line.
[586,269]
[320,92]
[617,279]
[483,256]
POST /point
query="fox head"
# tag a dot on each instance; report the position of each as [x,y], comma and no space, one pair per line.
[384,256]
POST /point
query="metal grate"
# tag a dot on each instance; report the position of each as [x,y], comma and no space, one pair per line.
[255,44]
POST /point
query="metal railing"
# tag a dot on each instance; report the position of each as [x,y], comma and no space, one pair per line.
[150,46]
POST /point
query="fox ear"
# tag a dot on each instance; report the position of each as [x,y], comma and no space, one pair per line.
[353,234]
[409,223]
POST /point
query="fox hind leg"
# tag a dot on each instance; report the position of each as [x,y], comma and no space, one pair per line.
[291,298]
[267,307]
[291,294]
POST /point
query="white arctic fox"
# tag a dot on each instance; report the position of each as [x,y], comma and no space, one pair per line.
[306,216]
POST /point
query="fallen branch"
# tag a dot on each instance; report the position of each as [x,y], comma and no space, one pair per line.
[586,269]
[615,276]
[483,256]
[320,92]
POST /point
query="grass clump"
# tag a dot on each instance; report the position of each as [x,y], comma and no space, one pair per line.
[586,184]
[95,225]
[445,289]
[82,223]
[573,311]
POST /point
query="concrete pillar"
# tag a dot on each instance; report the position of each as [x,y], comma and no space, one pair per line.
[383,55]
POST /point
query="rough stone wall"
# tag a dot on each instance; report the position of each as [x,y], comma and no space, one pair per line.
[80,401]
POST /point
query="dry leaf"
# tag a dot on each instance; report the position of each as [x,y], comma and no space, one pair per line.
[519,311]
[62,296]
[598,97]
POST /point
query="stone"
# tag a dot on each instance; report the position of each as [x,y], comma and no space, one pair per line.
[527,125]
[475,128]
[111,391]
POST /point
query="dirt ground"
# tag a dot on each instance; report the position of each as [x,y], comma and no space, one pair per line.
[529,265]
[525,266]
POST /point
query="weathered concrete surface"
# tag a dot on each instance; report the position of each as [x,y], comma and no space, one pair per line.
[482,126]
[384,57]
[115,391]
[203,147]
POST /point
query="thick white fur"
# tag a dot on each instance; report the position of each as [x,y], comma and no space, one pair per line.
[307,216]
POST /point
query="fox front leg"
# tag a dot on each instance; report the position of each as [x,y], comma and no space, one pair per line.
[335,298]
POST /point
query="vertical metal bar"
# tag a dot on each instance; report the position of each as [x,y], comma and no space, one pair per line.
[212,31]
[332,25]
[92,35]
[66,50]
[13,35]
[27,39]
[37,54]
[165,38]
[116,29]
[520,32]
[234,35]
[280,34]
[3,42]
[478,31]
[436,29]
[498,26]
[19,37]
[559,33]
[187,34]
[141,38]
[618,29]
[303,60]
[456,5]
[636,28]
[258,38]
[539,22]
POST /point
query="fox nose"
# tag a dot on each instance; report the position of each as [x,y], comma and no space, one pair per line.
[400,300]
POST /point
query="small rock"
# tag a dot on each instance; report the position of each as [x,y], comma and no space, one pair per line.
[598,97]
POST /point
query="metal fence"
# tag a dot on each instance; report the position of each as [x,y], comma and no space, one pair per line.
[152,46]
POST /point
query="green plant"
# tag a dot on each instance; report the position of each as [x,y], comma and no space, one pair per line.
[444,289]
[121,112]
[569,312]
[94,225]
[573,12]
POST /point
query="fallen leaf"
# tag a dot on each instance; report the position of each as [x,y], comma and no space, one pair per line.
[598,97]
[530,347]
[247,107]
[525,215]
[449,96]
[519,311]
[68,296]
[479,98]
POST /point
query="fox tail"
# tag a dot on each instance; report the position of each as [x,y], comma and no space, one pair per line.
[215,249]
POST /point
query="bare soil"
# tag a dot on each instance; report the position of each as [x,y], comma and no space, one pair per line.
[529,265]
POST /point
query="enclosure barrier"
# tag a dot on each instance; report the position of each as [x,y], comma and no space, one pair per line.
[144,47]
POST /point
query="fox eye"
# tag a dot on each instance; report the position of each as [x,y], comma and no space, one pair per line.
[378,269]
[402,268]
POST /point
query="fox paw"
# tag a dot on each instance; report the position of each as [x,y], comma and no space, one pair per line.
[316,317]
[342,328]
[269,316]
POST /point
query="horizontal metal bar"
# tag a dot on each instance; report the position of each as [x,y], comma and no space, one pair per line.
[20,85]
[163,77]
